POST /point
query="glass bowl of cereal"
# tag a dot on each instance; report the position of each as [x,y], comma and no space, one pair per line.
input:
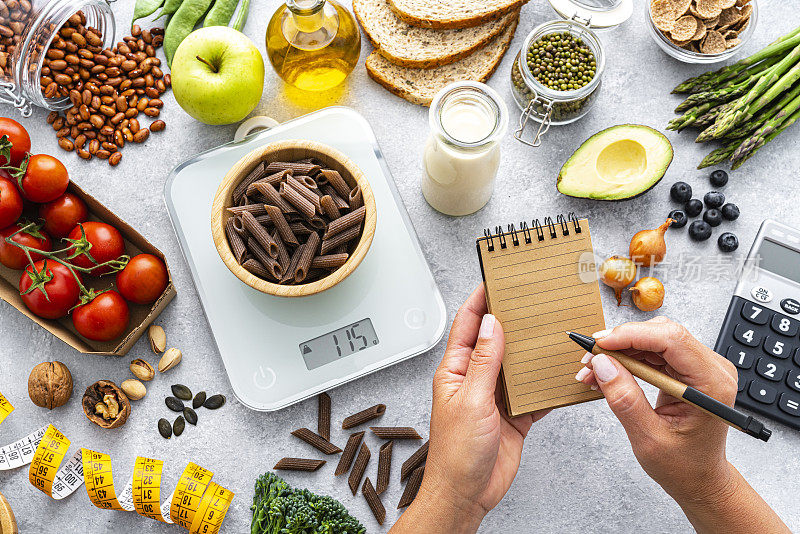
[702,31]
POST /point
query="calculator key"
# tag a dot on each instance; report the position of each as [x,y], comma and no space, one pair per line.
[762,392]
[754,313]
[790,404]
[761,294]
[741,358]
[793,380]
[797,357]
[769,370]
[742,384]
[780,348]
[746,335]
[785,326]
[790,306]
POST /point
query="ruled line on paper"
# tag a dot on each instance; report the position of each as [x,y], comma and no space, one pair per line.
[542,358]
[507,265]
[541,401]
[525,295]
[560,266]
[544,313]
[545,324]
[555,243]
[536,282]
[546,302]
[540,335]
[548,377]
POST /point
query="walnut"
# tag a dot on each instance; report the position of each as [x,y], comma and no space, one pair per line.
[106,405]
[50,385]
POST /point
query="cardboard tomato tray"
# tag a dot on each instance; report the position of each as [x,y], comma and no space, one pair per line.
[141,316]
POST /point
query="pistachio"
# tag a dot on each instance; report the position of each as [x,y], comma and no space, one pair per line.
[134,389]
[142,370]
[158,338]
[170,359]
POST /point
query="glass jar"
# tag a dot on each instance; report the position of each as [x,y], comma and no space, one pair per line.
[543,104]
[27,28]
[462,154]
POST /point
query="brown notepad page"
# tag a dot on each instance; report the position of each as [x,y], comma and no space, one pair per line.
[535,288]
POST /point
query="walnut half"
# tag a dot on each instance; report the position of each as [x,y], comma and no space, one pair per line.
[106,405]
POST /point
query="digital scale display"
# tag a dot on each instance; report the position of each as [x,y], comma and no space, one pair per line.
[338,344]
[780,260]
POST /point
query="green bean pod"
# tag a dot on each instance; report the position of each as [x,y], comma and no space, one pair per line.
[241,16]
[220,13]
[170,7]
[144,8]
[182,24]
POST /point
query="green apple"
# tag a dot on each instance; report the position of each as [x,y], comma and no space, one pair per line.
[217,75]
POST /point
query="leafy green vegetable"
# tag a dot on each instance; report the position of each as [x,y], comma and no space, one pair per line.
[280,509]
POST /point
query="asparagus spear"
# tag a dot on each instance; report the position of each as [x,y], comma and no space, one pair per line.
[719,155]
[758,138]
[718,96]
[688,118]
[764,115]
[788,122]
[704,121]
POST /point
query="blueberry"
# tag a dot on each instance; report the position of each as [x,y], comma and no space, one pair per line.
[719,178]
[679,219]
[730,212]
[714,199]
[699,230]
[728,242]
[681,192]
[713,217]
[693,208]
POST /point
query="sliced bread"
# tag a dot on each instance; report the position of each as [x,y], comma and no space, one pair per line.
[419,86]
[421,48]
[449,14]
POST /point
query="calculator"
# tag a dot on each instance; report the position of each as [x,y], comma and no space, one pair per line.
[761,332]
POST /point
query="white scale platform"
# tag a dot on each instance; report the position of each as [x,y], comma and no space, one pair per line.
[262,339]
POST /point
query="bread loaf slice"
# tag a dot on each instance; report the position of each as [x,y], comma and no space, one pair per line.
[450,14]
[421,48]
[419,86]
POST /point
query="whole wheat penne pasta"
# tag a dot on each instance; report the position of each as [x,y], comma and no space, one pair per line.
[363,416]
[384,467]
[359,466]
[235,240]
[283,253]
[274,198]
[307,181]
[344,222]
[281,225]
[350,450]
[329,207]
[324,415]
[321,179]
[288,275]
[260,234]
[316,441]
[238,226]
[337,182]
[254,209]
[395,432]
[412,487]
[297,200]
[264,220]
[272,179]
[257,268]
[341,249]
[340,239]
[304,262]
[259,171]
[269,263]
[307,193]
[298,464]
[299,228]
[341,203]
[331,261]
[356,199]
[309,169]
[318,223]
[414,461]
[374,501]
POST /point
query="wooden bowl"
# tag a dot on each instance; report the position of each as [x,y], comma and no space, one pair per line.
[291,150]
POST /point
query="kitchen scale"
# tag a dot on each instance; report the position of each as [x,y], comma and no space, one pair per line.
[278,351]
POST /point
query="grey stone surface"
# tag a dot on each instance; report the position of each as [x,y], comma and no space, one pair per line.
[577,473]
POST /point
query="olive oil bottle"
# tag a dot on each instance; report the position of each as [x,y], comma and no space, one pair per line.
[313,44]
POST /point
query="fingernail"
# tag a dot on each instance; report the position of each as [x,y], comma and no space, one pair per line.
[601,333]
[487,326]
[587,358]
[594,388]
[604,369]
[583,373]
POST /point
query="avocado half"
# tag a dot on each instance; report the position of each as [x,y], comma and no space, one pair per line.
[617,163]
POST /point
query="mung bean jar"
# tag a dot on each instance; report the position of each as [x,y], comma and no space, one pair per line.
[27,28]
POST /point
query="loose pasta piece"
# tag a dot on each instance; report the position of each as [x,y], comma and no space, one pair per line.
[414,461]
[395,432]
[329,207]
[235,240]
[272,179]
[307,182]
[316,441]
[260,234]
[257,268]
[283,253]
[307,193]
[337,182]
[239,226]
[341,203]
[299,228]
[239,191]
[412,487]
[345,222]
[264,220]
[298,201]
[364,415]
[304,262]
[384,467]
[350,450]
[374,501]
[274,198]
[288,276]
[267,261]
[256,210]
[321,180]
[324,415]
[340,239]
[298,464]
[281,225]
[355,199]
[309,169]
[331,261]
[341,249]
[359,466]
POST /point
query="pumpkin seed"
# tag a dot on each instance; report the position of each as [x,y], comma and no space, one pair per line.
[182,392]
[178,426]
[190,415]
[214,402]
[199,399]
[164,428]
[176,405]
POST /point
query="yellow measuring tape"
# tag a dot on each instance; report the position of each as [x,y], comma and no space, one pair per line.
[197,504]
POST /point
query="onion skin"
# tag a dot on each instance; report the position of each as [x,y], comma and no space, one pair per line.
[648,294]
[618,272]
[648,246]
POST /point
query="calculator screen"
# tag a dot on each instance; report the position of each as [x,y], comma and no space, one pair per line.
[780,260]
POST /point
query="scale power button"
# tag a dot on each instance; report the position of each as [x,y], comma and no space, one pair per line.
[264,377]
[415,318]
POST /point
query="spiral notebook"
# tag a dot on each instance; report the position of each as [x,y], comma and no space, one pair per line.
[540,282]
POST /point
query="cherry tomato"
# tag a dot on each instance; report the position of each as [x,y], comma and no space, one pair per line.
[45,179]
[14,257]
[62,289]
[63,214]
[10,201]
[106,245]
[103,318]
[17,142]
[143,280]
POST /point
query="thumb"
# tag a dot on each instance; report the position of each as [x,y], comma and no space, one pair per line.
[484,362]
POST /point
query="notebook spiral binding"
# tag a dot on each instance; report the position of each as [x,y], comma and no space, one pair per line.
[513,236]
